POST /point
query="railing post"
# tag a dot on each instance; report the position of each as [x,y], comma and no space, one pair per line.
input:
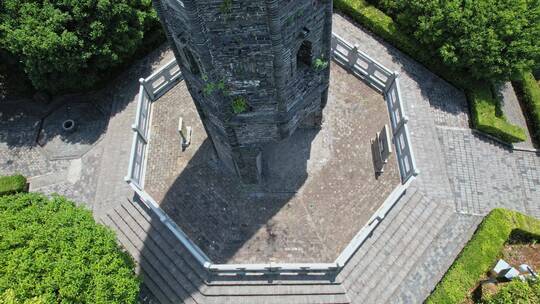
[391,79]
[353,56]
[150,92]
[404,119]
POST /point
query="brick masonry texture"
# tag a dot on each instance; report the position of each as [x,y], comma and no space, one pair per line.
[261,52]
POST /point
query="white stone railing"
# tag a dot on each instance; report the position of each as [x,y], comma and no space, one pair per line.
[402,138]
[387,82]
[140,139]
[162,80]
[351,58]
[361,64]
[151,88]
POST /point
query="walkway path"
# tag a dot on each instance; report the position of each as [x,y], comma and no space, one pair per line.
[97,177]
[459,169]
[513,112]
[463,176]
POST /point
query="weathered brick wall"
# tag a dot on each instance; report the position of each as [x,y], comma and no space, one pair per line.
[249,48]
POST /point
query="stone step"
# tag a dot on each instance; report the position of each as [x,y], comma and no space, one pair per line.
[149,241]
[412,255]
[167,239]
[157,283]
[277,299]
[436,260]
[275,289]
[274,280]
[154,287]
[155,256]
[369,250]
[389,252]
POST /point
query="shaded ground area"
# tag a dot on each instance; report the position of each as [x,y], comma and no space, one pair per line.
[90,123]
[87,165]
[320,190]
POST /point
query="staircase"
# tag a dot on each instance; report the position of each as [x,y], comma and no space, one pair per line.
[174,276]
[402,259]
[400,263]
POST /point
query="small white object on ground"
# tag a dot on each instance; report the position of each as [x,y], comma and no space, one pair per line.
[510,274]
[500,266]
[527,269]
[185,132]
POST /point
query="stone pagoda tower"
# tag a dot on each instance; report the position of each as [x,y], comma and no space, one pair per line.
[256,69]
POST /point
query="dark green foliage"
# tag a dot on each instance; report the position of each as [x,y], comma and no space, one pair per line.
[383,25]
[239,105]
[54,251]
[488,117]
[530,91]
[12,184]
[490,39]
[481,253]
[483,104]
[225,7]
[69,45]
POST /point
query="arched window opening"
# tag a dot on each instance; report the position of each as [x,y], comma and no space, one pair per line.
[192,62]
[303,57]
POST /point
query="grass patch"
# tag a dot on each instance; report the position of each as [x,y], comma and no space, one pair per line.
[484,106]
[488,117]
[480,253]
[529,89]
[12,184]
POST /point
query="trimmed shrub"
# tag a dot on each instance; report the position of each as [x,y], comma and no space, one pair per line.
[516,292]
[54,251]
[488,117]
[530,91]
[9,298]
[480,254]
[12,184]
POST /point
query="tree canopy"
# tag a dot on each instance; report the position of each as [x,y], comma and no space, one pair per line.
[66,45]
[488,39]
[52,251]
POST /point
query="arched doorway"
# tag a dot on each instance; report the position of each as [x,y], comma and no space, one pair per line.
[303,57]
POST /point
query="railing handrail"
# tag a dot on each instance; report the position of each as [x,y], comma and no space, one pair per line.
[362,54]
[159,71]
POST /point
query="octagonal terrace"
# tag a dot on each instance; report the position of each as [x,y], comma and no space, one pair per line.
[320,190]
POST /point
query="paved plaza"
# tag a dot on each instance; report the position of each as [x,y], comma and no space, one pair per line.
[320,185]
[463,175]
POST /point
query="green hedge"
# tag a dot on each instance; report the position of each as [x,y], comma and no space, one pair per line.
[52,251]
[488,118]
[530,91]
[515,292]
[480,253]
[483,106]
[12,184]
